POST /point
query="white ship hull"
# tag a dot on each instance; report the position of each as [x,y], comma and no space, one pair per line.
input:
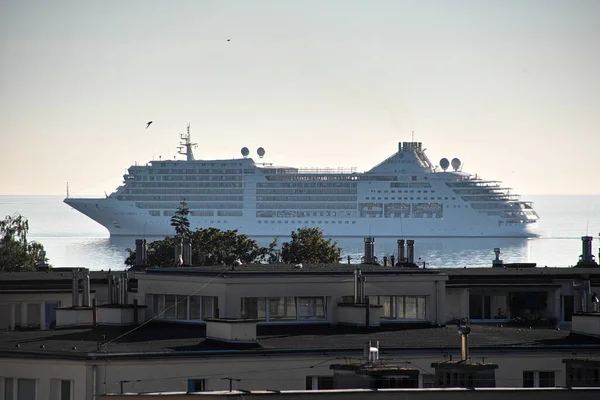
[403,196]
[124,219]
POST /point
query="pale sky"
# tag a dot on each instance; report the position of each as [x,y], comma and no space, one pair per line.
[512,88]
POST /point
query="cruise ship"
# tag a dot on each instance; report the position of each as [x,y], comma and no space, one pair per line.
[403,196]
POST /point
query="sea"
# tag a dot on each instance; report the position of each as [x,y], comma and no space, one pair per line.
[73,240]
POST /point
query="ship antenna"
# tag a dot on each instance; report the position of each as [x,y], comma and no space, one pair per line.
[412,139]
[67,190]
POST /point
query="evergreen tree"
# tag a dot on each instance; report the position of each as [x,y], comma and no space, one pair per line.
[309,246]
[16,252]
[180,220]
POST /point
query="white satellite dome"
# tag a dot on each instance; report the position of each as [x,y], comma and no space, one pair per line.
[456,164]
[444,163]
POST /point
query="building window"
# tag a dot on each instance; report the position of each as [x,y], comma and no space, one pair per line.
[66,390]
[402,307]
[487,307]
[319,382]
[284,308]
[19,389]
[538,379]
[196,385]
[183,308]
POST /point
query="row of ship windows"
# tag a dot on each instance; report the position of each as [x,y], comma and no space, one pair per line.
[305,198]
[178,178]
[306,191]
[305,222]
[307,185]
[182,191]
[330,178]
[189,171]
[179,198]
[407,198]
[309,206]
[400,191]
[185,184]
[411,185]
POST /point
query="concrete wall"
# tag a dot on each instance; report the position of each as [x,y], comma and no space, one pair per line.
[588,324]
[231,290]
[44,372]
[267,372]
[24,309]
[389,394]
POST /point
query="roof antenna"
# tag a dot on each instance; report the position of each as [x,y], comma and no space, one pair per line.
[412,139]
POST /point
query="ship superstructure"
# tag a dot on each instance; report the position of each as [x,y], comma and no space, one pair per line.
[404,195]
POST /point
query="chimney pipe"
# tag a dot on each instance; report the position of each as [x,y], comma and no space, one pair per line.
[464,351]
[410,251]
[75,290]
[86,290]
[123,289]
[140,252]
[369,250]
[187,251]
[356,285]
[110,288]
[401,258]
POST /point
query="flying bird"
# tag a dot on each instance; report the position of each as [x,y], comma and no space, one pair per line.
[148,124]
[229,40]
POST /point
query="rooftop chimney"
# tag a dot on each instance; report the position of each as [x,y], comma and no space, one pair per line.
[359,287]
[370,251]
[187,252]
[410,251]
[497,262]
[464,349]
[401,258]
[140,252]
[587,258]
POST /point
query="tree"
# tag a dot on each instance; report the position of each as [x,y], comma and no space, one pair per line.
[180,220]
[210,246]
[309,246]
[16,253]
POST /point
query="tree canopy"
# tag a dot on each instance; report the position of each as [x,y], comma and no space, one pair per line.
[210,246]
[180,220]
[16,252]
[309,246]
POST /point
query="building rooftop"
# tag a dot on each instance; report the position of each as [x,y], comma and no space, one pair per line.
[181,340]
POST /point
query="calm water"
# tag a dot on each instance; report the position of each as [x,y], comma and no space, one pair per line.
[72,239]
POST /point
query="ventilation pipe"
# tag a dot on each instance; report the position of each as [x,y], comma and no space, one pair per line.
[369,250]
[187,251]
[75,290]
[464,349]
[140,252]
[401,258]
[111,296]
[356,285]
[410,251]
[123,287]
[359,287]
[87,302]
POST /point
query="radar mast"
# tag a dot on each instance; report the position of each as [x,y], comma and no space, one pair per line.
[186,144]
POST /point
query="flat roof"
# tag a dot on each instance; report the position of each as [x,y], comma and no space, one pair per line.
[159,340]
